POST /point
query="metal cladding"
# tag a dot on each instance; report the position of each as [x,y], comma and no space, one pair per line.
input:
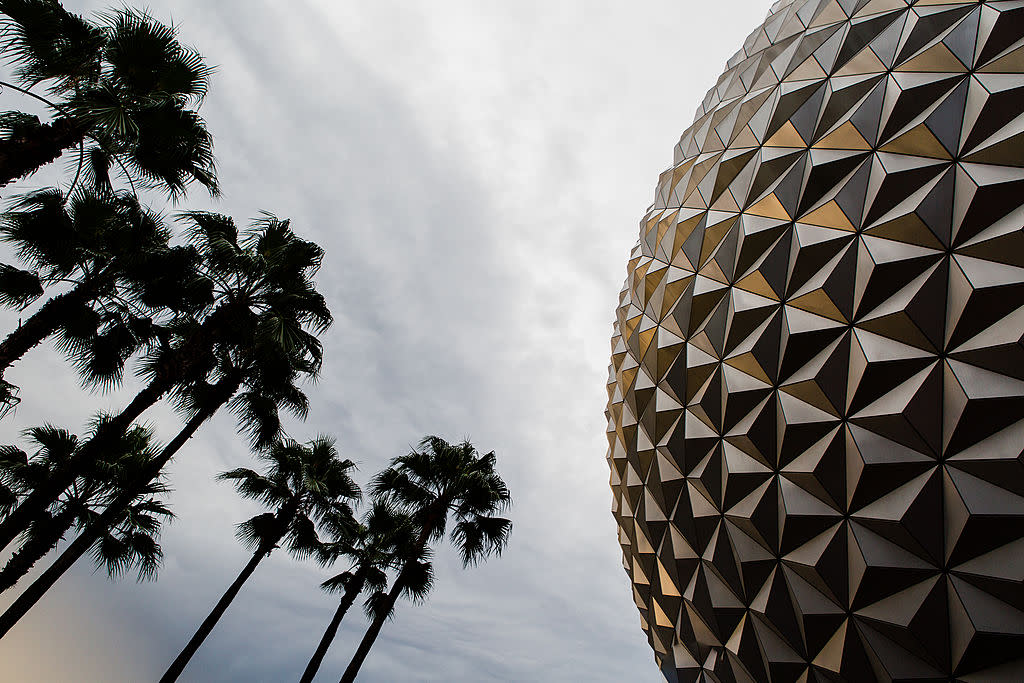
[816,396]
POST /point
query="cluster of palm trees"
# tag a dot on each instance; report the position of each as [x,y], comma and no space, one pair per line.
[206,315]
[311,495]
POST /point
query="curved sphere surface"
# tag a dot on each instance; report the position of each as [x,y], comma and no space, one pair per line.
[817,382]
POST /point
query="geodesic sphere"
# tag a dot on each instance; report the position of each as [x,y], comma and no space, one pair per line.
[816,395]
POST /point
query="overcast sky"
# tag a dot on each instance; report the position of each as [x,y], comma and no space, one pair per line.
[476,172]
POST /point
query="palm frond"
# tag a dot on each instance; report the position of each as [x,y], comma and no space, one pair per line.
[376,579]
[11,459]
[147,61]
[377,604]
[476,539]
[112,553]
[172,148]
[396,485]
[18,288]
[292,399]
[42,231]
[338,583]
[254,486]
[146,555]
[261,531]
[8,397]
[303,540]
[483,493]
[78,329]
[170,278]
[56,444]
[100,358]
[215,235]
[146,515]
[417,580]
[18,124]
[258,417]
[13,464]
[107,114]
[8,499]
[47,43]
[96,172]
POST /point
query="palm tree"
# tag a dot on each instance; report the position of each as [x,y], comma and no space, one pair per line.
[414,581]
[255,398]
[79,502]
[377,545]
[266,315]
[114,253]
[437,480]
[309,487]
[127,541]
[255,380]
[124,83]
[20,473]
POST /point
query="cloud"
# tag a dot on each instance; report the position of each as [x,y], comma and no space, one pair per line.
[475,172]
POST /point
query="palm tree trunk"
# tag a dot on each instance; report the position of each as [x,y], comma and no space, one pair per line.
[332,628]
[224,390]
[283,518]
[37,589]
[42,324]
[34,148]
[431,518]
[371,634]
[182,660]
[41,541]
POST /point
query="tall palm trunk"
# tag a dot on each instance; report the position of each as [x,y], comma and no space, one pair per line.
[33,148]
[42,541]
[370,637]
[43,323]
[284,518]
[224,390]
[351,593]
[172,370]
[37,589]
[182,660]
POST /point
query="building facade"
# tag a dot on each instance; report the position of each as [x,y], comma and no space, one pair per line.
[816,393]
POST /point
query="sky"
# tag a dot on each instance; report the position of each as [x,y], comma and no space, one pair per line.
[476,172]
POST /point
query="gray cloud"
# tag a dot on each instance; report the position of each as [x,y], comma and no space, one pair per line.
[475,172]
